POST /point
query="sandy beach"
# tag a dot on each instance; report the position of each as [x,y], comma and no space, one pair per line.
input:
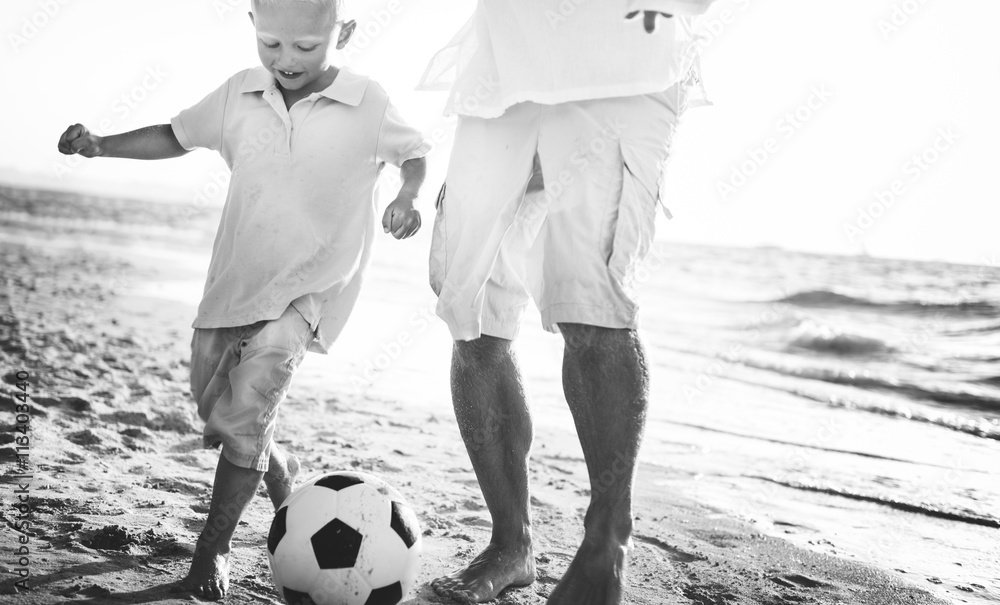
[97,300]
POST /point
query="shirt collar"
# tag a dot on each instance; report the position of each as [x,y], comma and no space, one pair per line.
[348,87]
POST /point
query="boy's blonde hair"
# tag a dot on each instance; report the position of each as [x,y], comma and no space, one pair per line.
[337,6]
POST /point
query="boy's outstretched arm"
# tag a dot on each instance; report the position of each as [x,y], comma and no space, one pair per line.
[150,143]
[401,218]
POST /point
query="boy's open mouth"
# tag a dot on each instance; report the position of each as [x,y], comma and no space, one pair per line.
[289,75]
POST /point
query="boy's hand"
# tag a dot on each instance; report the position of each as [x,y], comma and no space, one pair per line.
[648,19]
[401,218]
[77,139]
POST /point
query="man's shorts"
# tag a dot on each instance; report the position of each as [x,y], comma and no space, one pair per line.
[239,376]
[554,202]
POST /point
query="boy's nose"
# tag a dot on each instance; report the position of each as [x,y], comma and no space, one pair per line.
[286,59]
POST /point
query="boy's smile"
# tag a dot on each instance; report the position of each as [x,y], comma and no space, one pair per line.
[294,40]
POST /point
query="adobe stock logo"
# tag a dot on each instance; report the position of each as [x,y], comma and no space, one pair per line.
[31,26]
[787,127]
[915,168]
[901,14]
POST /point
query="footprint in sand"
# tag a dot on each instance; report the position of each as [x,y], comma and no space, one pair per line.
[470,504]
[72,458]
[538,503]
[187,446]
[720,539]
[94,590]
[446,507]
[73,404]
[178,422]
[85,438]
[794,580]
[200,508]
[673,553]
[195,460]
[710,594]
[472,521]
[436,522]
[135,419]
[166,484]
[136,432]
[119,538]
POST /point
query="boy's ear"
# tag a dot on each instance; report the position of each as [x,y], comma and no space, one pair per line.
[250,13]
[346,32]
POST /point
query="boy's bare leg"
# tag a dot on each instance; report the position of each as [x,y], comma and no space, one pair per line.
[606,381]
[280,476]
[495,423]
[209,574]
[234,488]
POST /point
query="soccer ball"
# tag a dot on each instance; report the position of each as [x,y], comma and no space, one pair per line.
[344,538]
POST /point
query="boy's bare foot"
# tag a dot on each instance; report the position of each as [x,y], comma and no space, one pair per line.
[209,574]
[595,577]
[490,573]
[280,475]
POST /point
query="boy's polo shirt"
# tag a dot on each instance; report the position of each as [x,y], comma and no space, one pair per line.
[558,51]
[299,217]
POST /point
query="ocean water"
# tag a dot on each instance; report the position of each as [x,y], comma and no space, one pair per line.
[849,404]
[926,336]
[837,396]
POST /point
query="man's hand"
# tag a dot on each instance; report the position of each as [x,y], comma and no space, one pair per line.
[648,19]
[401,218]
[77,139]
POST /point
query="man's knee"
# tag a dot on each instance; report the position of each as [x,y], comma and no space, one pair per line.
[483,352]
[582,338]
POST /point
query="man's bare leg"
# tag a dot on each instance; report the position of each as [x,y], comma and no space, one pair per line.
[234,488]
[495,423]
[606,381]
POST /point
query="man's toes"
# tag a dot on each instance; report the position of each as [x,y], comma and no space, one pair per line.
[211,590]
[463,596]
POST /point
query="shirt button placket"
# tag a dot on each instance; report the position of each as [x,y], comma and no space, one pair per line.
[277,102]
[301,110]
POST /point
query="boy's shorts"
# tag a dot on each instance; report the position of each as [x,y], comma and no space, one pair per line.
[553,201]
[239,376]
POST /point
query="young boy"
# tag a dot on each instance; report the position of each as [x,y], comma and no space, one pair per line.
[305,141]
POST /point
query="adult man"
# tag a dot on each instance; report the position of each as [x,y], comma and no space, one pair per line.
[566,112]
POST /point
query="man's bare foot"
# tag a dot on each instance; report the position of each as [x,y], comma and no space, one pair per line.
[280,476]
[595,577]
[209,574]
[490,573]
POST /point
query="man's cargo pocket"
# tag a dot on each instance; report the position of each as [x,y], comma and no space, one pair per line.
[438,256]
[636,222]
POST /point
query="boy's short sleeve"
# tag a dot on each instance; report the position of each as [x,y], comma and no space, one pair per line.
[398,141]
[202,124]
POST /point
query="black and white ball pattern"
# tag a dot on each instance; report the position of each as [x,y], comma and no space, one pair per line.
[345,538]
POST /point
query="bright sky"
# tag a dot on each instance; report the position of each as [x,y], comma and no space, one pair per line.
[888,94]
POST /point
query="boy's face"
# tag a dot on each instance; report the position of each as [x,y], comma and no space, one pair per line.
[294,40]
